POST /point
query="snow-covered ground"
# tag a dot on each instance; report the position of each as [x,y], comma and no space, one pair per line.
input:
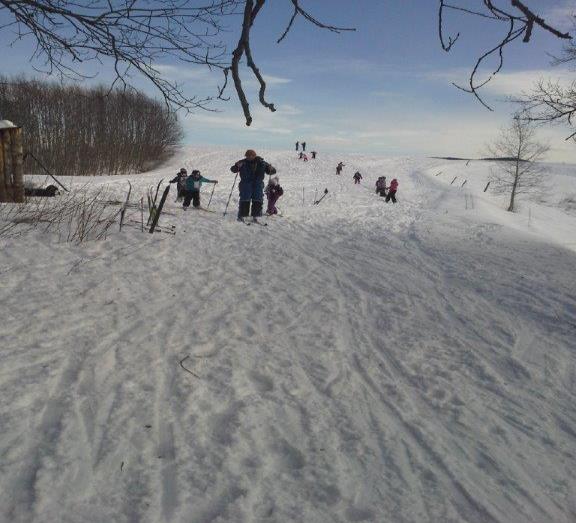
[353,361]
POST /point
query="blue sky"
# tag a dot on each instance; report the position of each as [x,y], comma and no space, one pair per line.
[383,89]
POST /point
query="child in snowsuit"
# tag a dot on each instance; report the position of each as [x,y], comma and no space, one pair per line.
[273,192]
[339,168]
[381,186]
[392,191]
[305,157]
[193,184]
[252,171]
[357,177]
[301,155]
[314,155]
[180,181]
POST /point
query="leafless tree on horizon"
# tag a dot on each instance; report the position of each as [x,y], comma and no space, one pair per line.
[519,170]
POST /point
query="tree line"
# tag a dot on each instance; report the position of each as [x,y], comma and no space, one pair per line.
[75,130]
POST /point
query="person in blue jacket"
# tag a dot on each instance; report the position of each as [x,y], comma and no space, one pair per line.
[252,171]
[192,189]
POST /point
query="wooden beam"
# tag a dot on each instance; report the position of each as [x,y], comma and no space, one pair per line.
[17,171]
[3,192]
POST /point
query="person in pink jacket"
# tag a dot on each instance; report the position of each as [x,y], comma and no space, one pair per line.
[392,191]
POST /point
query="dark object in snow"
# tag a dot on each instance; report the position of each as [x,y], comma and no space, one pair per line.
[125,206]
[318,201]
[159,211]
[50,191]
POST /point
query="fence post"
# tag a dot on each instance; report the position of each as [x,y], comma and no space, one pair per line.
[3,173]
[17,154]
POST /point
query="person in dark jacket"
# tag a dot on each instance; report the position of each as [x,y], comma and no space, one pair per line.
[252,171]
[192,189]
[357,177]
[180,181]
[273,192]
[339,168]
[314,155]
[303,146]
[297,144]
[381,186]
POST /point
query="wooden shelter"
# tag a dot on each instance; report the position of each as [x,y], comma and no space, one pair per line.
[11,157]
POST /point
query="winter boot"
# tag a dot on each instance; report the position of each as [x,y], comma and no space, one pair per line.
[256,209]
[244,209]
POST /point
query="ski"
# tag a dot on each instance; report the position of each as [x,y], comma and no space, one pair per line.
[153,209]
[125,206]
[159,211]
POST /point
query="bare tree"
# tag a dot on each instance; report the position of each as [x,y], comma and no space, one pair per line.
[518,22]
[517,154]
[137,34]
[550,102]
[75,130]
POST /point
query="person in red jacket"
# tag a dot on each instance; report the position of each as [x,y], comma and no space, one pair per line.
[273,192]
[392,191]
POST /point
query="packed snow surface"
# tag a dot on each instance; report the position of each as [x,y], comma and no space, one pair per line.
[353,361]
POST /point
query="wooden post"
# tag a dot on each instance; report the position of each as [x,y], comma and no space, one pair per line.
[11,171]
[17,171]
[3,184]
[7,153]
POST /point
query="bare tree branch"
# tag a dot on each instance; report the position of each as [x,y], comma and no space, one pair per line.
[521,22]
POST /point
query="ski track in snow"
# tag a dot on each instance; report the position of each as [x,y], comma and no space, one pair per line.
[353,361]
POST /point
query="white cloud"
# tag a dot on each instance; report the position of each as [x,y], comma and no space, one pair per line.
[561,17]
[505,83]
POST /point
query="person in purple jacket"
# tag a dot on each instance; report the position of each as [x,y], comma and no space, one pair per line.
[273,193]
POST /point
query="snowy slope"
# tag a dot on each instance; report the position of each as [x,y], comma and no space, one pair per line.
[353,361]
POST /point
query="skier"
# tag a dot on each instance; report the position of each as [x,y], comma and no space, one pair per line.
[339,168]
[313,155]
[357,177]
[252,170]
[297,144]
[193,184]
[273,193]
[392,191]
[303,146]
[301,155]
[381,186]
[305,157]
[180,181]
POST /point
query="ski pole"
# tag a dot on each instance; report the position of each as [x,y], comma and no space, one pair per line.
[229,197]
[211,194]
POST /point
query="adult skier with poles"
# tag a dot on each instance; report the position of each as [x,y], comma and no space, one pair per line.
[252,171]
[193,184]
